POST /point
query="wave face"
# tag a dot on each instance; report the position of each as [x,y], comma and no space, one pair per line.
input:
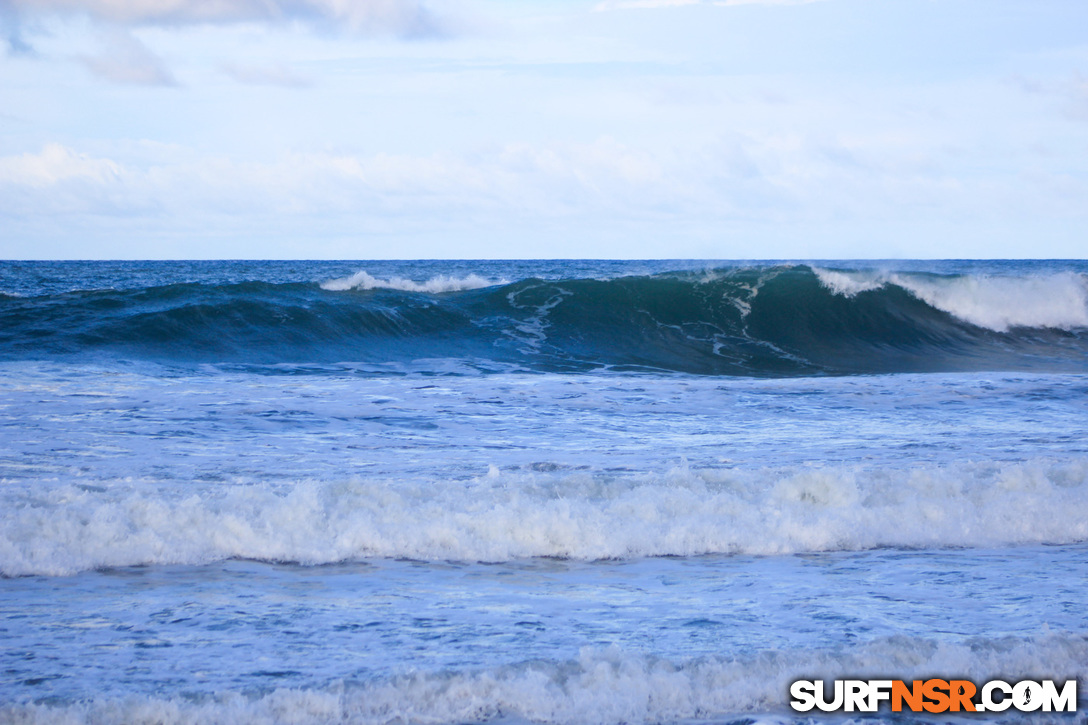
[502,517]
[754,321]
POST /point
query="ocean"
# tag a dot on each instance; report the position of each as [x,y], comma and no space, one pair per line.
[536,491]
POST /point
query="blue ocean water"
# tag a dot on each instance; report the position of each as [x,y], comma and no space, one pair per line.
[534,491]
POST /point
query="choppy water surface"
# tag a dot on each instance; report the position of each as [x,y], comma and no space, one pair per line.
[533,491]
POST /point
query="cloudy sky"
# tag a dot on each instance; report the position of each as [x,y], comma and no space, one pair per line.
[733,129]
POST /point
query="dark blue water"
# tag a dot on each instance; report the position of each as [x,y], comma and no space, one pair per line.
[545,491]
[711,319]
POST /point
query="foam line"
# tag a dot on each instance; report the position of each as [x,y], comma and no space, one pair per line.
[601,686]
[67,528]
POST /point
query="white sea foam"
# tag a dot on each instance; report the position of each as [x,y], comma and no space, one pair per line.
[849,284]
[1058,301]
[435,285]
[998,303]
[603,685]
[68,528]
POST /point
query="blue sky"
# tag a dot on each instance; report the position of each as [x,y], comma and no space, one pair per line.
[355,129]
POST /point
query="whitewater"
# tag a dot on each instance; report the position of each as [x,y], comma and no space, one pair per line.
[535,491]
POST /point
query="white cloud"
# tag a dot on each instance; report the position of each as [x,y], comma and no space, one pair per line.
[410,18]
[777,184]
[634,4]
[516,180]
[56,164]
[730,3]
[126,60]
[646,4]
[766,179]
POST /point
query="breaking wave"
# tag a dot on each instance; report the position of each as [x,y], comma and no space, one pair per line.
[603,685]
[1057,301]
[504,516]
[435,285]
[755,321]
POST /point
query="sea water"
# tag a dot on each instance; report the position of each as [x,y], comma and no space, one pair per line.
[536,491]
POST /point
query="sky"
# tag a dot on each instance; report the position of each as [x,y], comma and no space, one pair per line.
[399,129]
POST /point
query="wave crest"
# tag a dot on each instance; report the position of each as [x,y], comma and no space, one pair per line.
[439,284]
[768,321]
[603,685]
[509,516]
[1057,301]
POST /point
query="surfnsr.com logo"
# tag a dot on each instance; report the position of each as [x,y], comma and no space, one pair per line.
[935,695]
